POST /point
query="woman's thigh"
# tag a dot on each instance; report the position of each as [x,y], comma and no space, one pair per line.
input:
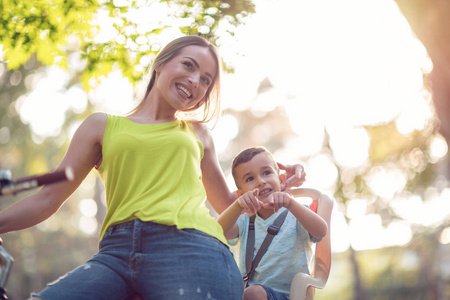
[189,264]
[104,276]
[93,280]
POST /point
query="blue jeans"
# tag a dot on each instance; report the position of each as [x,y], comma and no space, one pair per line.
[273,295]
[157,261]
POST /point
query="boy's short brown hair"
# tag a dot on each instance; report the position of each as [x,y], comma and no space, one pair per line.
[246,155]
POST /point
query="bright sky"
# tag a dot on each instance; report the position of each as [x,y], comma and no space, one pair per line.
[335,65]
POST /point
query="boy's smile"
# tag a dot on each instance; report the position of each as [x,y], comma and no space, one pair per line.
[265,192]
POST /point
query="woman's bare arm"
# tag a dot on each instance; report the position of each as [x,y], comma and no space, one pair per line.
[83,153]
[217,191]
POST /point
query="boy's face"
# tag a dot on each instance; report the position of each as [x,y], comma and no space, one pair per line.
[260,172]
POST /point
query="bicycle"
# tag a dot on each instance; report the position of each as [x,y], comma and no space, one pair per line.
[9,186]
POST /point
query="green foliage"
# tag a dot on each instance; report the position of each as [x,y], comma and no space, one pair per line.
[209,13]
[408,152]
[43,27]
[389,144]
[54,29]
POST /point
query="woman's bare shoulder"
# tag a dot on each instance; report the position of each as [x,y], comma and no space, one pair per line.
[203,133]
[95,122]
[93,127]
[199,126]
[99,118]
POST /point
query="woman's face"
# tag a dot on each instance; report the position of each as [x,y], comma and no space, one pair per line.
[184,80]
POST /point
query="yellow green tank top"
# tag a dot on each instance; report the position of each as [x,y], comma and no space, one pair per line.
[152,172]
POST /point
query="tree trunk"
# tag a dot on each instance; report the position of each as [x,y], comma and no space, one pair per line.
[358,291]
[430,22]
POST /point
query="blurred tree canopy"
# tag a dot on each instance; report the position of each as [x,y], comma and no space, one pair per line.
[52,30]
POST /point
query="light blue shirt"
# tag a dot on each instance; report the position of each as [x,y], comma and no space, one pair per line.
[289,253]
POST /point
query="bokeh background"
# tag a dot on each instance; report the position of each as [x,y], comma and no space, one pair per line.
[354,90]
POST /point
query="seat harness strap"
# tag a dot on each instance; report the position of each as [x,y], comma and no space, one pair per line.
[272,231]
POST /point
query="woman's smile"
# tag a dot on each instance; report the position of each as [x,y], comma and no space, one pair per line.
[184,90]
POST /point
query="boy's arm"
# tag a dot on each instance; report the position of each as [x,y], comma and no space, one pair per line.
[311,221]
[248,202]
[228,218]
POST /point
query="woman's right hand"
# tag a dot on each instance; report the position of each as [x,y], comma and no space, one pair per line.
[295,175]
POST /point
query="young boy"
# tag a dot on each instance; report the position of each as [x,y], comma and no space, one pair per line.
[260,187]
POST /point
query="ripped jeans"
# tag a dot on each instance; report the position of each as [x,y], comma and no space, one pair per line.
[157,261]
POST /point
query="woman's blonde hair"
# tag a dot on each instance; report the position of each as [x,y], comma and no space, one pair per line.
[210,108]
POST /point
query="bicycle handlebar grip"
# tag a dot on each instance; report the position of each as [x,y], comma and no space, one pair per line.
[59,175]
[35,181]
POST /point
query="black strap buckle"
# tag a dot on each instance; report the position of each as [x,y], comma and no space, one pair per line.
[273,230]
[245,277]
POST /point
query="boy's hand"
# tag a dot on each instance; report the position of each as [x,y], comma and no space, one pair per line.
[249,202]
[295,175]
[278,200]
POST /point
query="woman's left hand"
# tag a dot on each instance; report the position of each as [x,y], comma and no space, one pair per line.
[295,175]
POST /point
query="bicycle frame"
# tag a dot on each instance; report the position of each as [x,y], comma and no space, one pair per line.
[6,261]
[7,187]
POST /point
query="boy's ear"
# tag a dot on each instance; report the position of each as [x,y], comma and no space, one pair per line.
[283,181]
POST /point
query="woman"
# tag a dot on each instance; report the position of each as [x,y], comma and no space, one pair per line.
[157,238]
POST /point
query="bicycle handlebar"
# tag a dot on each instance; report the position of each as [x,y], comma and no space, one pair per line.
[12,187]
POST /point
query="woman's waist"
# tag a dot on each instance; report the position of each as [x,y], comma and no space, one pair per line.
[201,222]
[184,215]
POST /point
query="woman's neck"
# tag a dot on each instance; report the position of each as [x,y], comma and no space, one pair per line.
[143,119]
[153,112]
